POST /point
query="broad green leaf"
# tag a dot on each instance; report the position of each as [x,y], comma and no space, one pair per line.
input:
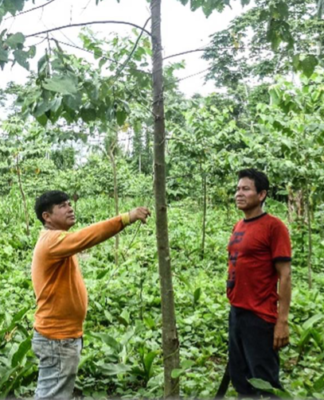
[186,364]
[282,8]
[113,369]
[148,362]
[319,384]
[125,317]
[121,117]
[15,39]
[176,373]
[73,102]
[42,63]
[308,64]
[261,384]
[88,114]
[197,295]
[23,349]
[312,321]
[108,340]
[21,57]
[3,55]
[64,84]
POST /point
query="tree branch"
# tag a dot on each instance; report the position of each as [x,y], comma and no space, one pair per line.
[31,9]
[89,23]
[185,52]
[133,50]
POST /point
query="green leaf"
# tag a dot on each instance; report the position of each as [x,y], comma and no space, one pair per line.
[260,384]
[148,362]
[176,373]
[121,117]
[42,63]
[64,84]
[186,364]
[308,64]
[3,55]
[23,349]
[108,340]
[319,384]
[296,62]
[124,317]
[21,57]
[113,369]
[15,39]
[73,102]
[197,295]
[312,321]
[282,8]
[88,114]
[42,120]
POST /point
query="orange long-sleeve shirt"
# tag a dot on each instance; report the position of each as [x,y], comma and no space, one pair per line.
[61,294]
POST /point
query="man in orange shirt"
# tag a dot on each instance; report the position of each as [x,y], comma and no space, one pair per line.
[61,295]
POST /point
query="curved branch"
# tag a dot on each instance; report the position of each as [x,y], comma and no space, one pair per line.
[89,23]
[133,50]
[185,52]
[31,9]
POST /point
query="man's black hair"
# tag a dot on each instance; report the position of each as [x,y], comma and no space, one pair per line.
[260,179]
[47,200]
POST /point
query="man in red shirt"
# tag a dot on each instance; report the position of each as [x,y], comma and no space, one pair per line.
[259,256]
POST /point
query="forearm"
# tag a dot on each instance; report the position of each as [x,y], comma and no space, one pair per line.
[284,297]
[68,244]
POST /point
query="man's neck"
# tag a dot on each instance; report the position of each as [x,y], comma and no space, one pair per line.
[256,212]
[50,227]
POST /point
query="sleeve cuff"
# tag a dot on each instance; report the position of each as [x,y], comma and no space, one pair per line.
[125,219]
[281,259]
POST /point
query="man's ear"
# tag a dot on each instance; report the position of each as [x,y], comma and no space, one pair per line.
[46,216]
[263,195]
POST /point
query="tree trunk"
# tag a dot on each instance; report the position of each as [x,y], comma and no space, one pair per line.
[23,196]
[114,168]
[204,177]
[170,340]
[310,244]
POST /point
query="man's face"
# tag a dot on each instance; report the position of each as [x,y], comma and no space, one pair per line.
[62,216]
[246,196]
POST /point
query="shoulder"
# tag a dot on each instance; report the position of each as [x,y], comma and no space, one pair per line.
[237,225]
[49,236]
[276,225]
[275,221]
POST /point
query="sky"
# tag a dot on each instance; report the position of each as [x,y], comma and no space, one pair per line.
[182,30]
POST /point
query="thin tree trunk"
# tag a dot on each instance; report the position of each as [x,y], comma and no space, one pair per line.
[320,9]
[310,244]
[23,197]
[204,215]
[114,168]
[170,340]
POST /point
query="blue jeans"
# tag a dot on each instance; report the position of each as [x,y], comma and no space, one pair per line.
[58,365]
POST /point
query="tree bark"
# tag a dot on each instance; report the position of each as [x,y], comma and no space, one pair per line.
[203,240]
[310,243]
[170,340]
[114,168]
[23,196]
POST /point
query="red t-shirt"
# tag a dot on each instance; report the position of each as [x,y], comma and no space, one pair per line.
[254,248]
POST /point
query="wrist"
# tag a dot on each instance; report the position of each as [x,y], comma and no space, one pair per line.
[282,320]
[125,219]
